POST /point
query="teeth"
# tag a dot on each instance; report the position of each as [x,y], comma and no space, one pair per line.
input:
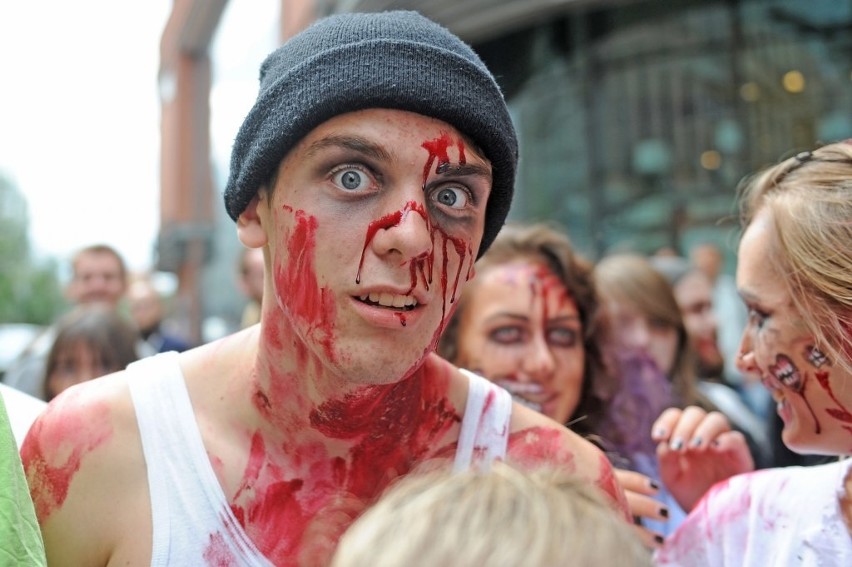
[521,387]
[389,300]
[524,402]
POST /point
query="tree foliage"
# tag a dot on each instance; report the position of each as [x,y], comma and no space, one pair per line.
[29,289]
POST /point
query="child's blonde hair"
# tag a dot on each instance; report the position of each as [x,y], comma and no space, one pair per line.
[501,517]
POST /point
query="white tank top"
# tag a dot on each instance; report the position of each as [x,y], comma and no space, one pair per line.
[192,520]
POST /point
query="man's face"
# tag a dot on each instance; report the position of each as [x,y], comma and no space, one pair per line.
[694,296]
[373,227]
[98,278]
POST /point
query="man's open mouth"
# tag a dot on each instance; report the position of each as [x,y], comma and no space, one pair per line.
[389,301]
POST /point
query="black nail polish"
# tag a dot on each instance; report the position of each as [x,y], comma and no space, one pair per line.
[677,444]
[653,484]
[664,512]
[659,539]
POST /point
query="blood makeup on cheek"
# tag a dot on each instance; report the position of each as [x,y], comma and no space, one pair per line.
[789,375]
[297,283]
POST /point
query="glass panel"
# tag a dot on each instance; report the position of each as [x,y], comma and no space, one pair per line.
[637,122]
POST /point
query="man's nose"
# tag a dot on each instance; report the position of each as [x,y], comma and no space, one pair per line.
[405,232]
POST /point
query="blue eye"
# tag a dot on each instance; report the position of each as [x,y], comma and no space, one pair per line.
[453,197]
[351,179]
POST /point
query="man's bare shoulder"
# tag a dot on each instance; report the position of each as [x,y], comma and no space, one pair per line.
[538,441]
[86,472]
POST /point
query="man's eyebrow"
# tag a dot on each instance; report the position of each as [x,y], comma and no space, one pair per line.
[354,143]
[465,169]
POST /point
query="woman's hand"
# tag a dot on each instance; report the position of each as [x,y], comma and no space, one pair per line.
[639,490]
[696,450]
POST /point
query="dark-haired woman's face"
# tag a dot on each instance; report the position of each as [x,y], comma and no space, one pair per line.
[634,331]
[521,329]
[75,363]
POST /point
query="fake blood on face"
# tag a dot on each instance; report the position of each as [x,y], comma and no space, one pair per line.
[297,283]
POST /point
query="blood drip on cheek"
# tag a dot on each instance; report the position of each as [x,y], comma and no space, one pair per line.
[65,431]
[297,283]
[840,413]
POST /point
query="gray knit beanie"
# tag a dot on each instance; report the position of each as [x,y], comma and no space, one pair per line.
[394,60]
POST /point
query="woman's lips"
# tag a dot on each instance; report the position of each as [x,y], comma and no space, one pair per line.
[529,394]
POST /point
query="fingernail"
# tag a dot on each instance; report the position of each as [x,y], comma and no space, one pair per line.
[659,433]
[714,444]
[664,512]
[677,444]
[653,484]
[696,442]
[659,539]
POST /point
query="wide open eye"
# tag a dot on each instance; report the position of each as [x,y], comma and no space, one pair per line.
[452,196]
[351,179]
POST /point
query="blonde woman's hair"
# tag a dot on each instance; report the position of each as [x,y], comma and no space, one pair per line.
[501,517]
[809,197]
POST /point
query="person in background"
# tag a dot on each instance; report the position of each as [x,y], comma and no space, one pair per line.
[147,310]
[251,284]
[795,277]
[91,341]
[375,166]
[98,275]
[694,296]
[731,316]
[498,517]
[528,322]
[645,343]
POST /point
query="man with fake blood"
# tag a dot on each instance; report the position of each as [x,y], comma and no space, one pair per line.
[375,167]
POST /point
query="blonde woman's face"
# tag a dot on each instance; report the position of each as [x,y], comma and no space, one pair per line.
[521,329]
[812,394]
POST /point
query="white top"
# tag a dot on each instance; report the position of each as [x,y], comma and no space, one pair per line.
[772,517]
[23,409]
[192,521]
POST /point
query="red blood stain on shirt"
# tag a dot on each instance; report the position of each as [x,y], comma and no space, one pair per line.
[56,446]
[217,553]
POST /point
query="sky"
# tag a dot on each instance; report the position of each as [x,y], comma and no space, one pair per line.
[80,119]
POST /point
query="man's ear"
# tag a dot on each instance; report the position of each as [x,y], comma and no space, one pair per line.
[250,229]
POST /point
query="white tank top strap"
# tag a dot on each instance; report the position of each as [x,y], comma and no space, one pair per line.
[484,432]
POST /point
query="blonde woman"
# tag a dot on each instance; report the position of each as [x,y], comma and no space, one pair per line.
[795,276]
